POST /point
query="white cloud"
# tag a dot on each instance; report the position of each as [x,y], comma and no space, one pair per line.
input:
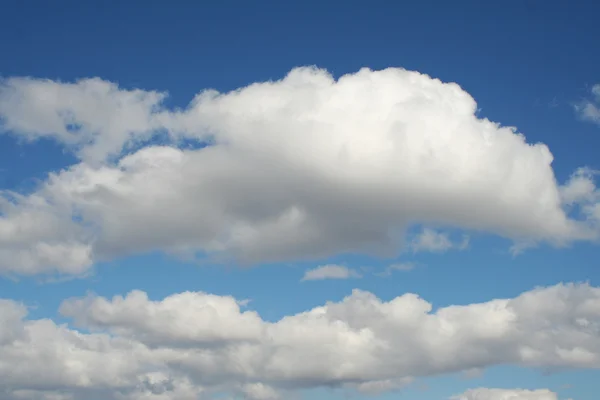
[402,267]
[210,319]
[330,271]
[382,386]
[193,343]
[580,188]
[92,116]
[259,391]
[301,168]
[589,109]
[580,191]
[437,242]
[506,394]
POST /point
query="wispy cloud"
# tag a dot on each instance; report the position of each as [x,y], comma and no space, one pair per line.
[589,109]
[436,242]
[330,271]
[397,267]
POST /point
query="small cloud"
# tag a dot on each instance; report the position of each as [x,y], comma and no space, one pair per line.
[589,109]
[579,188]
[402,267]
[436,242]
[244,302]
[382,386]
[472,373]
[566,386]
[330,271]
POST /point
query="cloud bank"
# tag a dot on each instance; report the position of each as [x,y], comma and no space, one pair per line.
[196,344]
[300,168]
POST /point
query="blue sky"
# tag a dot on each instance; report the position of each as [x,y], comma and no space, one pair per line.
[418,174]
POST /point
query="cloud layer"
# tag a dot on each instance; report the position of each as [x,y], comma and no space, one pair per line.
[196,344]
[300,168]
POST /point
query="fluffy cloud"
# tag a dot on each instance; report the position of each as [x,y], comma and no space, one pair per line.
[506,394]
[208,319]
[259,391]
[94,117]
[437,242]
[304,167]
[193,344]
[581,192]
[330,271]
[589,109]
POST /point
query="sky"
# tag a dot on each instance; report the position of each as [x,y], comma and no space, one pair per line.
[299,200]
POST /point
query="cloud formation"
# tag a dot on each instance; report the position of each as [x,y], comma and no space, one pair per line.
[396,267]
[300,168]
[330,271]
[193,344]
[589,109]
[506,394]
[436,242]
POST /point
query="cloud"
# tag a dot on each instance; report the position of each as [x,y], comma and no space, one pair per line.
[589,109]
[580,192]
[437,242]
[506,394]
[330,271]
[211,319]
[403,267]
[95,118]
[301,168]
[192,343]
[259,391]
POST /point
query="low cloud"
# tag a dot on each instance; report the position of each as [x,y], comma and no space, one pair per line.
[193,343]
[304,167]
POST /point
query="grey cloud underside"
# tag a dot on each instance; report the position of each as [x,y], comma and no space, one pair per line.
[193,344]
[300,168]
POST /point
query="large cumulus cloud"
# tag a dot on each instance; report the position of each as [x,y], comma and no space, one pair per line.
[304,167]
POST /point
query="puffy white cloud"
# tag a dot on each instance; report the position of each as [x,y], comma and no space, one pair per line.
[330,271]
[259,391]
[506,394]
[581,192]
[36,236]
[93,116]
[304,167]
[187,318]
[437,242]
[192,344]
[589,109]
[42,360]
